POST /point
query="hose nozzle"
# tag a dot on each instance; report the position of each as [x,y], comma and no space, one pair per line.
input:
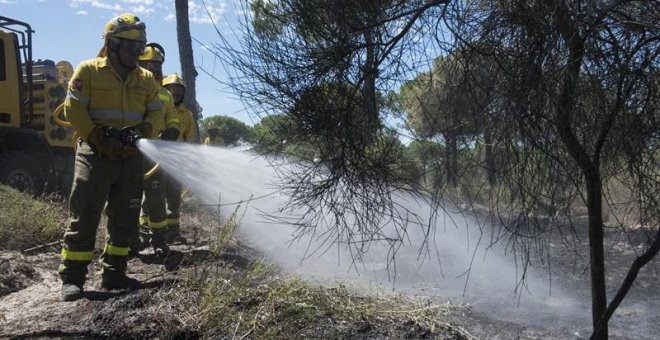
[128,135]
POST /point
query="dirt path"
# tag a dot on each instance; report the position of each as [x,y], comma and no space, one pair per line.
[35,306]
[34,309]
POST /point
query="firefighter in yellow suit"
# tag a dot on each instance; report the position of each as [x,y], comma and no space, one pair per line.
[188,133]
[105,94]
[154,213]
[214,138]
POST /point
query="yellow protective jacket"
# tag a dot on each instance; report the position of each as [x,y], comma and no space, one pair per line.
[187,130]
[171,116]
[98,96]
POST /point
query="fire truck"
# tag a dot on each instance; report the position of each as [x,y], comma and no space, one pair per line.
[36,153]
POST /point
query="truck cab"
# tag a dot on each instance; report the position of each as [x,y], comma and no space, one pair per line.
[36,153]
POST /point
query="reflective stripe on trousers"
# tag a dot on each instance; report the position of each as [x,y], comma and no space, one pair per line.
[76,255]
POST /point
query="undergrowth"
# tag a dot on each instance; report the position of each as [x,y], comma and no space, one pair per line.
[210,295]
[259,303]
[26,222]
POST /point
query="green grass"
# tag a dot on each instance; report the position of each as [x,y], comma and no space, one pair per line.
[27,222]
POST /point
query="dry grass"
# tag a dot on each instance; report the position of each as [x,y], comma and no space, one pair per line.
[26,222]
[209,297]
[225,300]
[258,303]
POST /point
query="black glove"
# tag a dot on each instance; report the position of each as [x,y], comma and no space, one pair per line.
[129,136]
[145,129]
[171,134]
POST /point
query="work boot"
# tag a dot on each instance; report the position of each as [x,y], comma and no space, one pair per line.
[140,242]
[174,236]
[116,281]
[159,242]
[134,247]
[71,292]
[161,250]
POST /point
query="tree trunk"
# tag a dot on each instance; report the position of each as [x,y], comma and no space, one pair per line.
[370,69]
[590,166]
[639,262]
[597,252]
[452,160]
[188,70]
[489,158]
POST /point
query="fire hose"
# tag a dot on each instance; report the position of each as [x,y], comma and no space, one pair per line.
[56,116]
[128,135]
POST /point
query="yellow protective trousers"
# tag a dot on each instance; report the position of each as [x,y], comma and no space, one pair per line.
[98,180]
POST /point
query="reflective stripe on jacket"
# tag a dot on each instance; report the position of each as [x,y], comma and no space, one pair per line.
[98,96]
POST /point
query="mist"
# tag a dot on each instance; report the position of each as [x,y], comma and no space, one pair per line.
[457,262]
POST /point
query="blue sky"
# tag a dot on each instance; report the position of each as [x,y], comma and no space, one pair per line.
[71,30]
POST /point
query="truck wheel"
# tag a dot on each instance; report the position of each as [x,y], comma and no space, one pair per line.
[22,172]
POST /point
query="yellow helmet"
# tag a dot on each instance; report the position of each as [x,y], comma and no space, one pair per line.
[153,52]
[126,26]
[174,79]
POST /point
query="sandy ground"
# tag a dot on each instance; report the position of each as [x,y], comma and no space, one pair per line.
[36,309]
